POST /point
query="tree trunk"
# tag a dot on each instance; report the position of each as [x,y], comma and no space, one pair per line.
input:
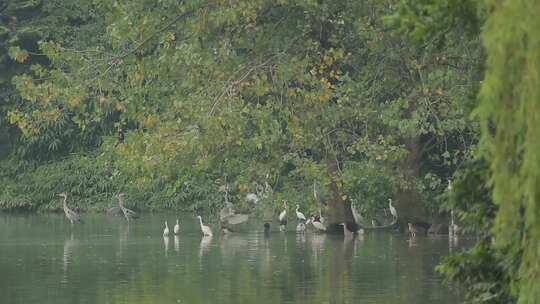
[339,205]
[408,202]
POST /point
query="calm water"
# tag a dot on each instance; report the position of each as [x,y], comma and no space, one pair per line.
[45,260]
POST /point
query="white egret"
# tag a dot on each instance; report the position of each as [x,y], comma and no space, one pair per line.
[177,227]
[358,218]
[299,215]
[166,230]
[205,229]
[393,210]
[71,215]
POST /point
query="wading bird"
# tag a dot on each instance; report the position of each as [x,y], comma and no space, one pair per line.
[283,217]
[358,218]
[166,230]
[205,229]
[177,227]
[299,215]
[128,213]
[71,215]
[393,210]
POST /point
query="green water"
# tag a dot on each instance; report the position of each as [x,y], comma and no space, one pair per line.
[43,259]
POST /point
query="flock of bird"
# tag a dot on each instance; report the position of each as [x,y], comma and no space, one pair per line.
[129,214]
[227,214]
[317,222]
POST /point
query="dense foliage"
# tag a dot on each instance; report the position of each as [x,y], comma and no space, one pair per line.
[288,93]
[169,101]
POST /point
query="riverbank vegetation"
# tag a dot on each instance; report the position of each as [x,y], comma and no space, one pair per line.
[371,100]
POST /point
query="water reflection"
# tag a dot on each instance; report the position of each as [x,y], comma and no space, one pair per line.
[204,246]
[243,267]
[67,257]
[166,243]
[122,239]
[177,244]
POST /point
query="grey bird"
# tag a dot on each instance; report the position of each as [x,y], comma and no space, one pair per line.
[128,213]
[121,210]
[71,215]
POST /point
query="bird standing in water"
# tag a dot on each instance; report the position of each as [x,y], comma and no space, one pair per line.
[393,210]
[71,215]
[177,227]
[166,230]
[205,229]
[299,215]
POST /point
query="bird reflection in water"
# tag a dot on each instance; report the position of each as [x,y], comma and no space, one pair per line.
[67,256]
[341,258]
[205,245]
[122,240]
[177,243]
[166,243]
[317,244]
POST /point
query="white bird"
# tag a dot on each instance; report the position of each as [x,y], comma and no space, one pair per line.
[252,197]
[318,225]
[177,227]
[283,217]
[358,218]
[166,230]
[205,229]
[299,215]
[393,210]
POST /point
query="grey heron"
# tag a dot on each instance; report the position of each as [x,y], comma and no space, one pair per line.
[71,215]
[177,227]
[128,213]
[318,197]
[205,229]
[166,230]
